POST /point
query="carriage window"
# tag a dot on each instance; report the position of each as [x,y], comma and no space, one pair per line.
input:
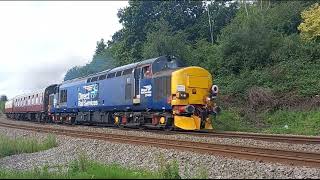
[127,71]
[102,77]
[111,75]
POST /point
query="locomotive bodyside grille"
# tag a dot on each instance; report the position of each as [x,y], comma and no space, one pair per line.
[162,87]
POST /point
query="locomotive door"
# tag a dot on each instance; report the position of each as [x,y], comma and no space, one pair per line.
[136,98]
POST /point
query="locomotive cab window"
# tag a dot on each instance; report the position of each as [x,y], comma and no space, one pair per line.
[146,72]
[63,96]
[163,64]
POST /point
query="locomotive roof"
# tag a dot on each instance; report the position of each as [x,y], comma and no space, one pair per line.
[128,66]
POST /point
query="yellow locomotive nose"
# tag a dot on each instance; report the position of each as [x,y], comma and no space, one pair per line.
[194,81]
[190,86]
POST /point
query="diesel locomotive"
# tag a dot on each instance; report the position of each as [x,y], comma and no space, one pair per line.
[157,93]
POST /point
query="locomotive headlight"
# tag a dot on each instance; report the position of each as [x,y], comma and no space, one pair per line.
[182,95]
[162,120]
[214,89]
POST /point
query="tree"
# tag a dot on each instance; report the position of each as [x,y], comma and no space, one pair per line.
[220,13]
[138,20]
[247,43]
[284,17]
[3,98]
[100,47]
[165,42]
[310,27]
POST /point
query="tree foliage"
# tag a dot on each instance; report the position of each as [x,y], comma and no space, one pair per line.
[310,27]
[165,42]
[3,98]
[232,39]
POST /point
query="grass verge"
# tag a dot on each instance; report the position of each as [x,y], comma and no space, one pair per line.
[84,168]
[293,122]
[9,146]
[277,122]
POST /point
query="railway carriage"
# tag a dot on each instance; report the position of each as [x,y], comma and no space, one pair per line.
[31,106]
[8,108]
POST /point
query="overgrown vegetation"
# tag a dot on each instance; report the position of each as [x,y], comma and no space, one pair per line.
[2,103]
[9,146]
[264,55]
[81,168]
[84,168]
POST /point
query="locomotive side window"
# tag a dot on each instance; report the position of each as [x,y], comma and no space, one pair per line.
[88,80]
[102,77]
[127,71]
[94,79]
[118,73]
[111,75]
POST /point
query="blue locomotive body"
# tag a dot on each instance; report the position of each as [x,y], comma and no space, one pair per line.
[124,89]
[107,95]
[158,92]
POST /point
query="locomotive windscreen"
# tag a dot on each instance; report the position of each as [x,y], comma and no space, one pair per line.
[165,63]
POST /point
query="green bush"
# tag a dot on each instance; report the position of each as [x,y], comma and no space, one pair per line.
[2,106]
[294,76]
[230,120]
[168,170]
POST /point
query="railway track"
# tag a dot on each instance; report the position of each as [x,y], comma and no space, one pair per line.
[264,137]
[296,139]
[250,153]
[292,139]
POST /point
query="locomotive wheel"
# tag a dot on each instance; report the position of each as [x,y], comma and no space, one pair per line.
[121,126]
[169,128]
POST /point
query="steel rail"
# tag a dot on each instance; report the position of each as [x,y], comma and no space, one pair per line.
[252,153]
[297,139]
[292,139]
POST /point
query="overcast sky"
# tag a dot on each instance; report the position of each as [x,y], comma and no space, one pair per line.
[40,41]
